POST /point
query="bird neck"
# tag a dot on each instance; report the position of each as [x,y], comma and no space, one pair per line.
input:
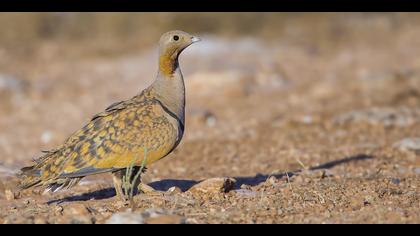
[170,88]
[168,63]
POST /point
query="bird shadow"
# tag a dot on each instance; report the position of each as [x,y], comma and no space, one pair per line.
[184,185]
[95,195]
[259,178]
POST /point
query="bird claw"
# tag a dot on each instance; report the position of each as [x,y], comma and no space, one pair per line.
[144,188]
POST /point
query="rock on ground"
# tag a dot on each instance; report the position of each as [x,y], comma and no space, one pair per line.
[149,216]
[214,185]
[408,144]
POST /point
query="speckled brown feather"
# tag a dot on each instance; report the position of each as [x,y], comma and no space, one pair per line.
[152,121]
[112,140]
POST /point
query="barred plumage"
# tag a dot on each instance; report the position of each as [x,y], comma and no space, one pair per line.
[113,139]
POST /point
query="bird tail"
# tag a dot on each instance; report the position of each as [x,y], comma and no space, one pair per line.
[30,177]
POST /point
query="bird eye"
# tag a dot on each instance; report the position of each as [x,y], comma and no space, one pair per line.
[176,37]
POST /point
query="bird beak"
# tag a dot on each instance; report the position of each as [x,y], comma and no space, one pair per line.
[195,39]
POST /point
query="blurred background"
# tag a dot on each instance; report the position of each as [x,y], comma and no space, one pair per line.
[333,96]
[251,72]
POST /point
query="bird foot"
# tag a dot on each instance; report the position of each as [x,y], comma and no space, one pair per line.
[144,188]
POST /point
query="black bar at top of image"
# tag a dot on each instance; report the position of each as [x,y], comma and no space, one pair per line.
[209,5]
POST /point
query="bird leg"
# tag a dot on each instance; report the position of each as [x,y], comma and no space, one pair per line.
[117,179]
[140,187]
[136,182]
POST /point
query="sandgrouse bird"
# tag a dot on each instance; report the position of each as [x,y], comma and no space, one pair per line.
[135,132]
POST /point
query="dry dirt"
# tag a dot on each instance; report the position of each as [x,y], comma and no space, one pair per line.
[309,134]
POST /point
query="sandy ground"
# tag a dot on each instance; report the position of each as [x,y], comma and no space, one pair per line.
[308,135]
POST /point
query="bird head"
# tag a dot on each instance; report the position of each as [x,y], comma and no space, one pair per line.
[171,44]
[174,42]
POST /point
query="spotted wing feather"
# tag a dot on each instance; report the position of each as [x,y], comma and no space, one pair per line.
[112,140]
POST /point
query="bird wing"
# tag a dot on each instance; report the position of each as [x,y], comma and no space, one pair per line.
[115,139]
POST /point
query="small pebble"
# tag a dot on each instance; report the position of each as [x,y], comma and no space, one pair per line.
[245,186]
[214,185]
[272,180]
[246,193]
[408,144]
[76,209]
[9,195]
[59,209]
[149,216]
[40,221]
[174,190]
[166,219]
[126,218]
[395,181]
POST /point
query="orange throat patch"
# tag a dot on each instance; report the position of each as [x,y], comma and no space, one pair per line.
[167,64]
